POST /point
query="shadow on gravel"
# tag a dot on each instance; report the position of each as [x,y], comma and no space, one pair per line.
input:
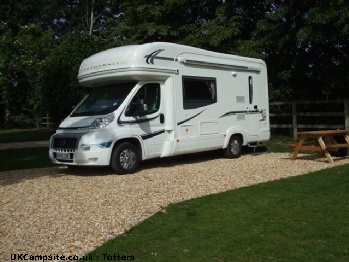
[317,157]
[17,176]
[193,158]
[167,162]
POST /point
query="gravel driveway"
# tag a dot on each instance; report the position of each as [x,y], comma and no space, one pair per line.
[56,211]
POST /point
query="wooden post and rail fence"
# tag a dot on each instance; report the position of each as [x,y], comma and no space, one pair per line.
[317,114]
[46,121]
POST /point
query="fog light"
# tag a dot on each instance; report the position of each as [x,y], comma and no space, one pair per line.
[85,147]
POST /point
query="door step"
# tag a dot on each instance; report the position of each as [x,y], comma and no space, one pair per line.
[255,145]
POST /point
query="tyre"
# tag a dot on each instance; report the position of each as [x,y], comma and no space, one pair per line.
[125,159]
[234,147]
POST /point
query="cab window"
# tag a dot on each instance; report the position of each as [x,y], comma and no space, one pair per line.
[148,98]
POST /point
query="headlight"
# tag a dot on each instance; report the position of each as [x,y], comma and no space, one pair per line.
[103,121]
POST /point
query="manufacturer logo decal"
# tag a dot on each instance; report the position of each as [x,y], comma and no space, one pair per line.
[151,57]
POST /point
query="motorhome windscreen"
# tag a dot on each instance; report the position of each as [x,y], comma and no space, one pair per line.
[103,100]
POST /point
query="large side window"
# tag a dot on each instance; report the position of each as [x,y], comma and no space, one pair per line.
[198,92]
[149,96]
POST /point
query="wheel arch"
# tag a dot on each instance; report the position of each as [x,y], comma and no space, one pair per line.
[231,133]
[131,140]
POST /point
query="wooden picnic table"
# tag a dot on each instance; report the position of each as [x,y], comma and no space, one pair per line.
[324,142]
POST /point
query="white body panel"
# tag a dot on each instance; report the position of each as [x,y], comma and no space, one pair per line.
[181,122]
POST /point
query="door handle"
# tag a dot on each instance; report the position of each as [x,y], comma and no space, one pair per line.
[162,118]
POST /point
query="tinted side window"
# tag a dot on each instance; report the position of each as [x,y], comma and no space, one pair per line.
[148,94]
[152,96]
[198,92]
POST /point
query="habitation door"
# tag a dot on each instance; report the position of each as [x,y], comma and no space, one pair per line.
[253,110]
[197,127]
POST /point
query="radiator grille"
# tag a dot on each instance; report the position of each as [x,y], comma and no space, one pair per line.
[64,142]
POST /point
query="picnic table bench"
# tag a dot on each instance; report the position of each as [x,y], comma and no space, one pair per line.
[325,142]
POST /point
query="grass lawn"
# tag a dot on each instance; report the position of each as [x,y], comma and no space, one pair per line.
[23,135]
[25,158]
[279,144]
[296,219]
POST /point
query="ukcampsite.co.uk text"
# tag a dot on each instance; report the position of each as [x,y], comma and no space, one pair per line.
[57,257]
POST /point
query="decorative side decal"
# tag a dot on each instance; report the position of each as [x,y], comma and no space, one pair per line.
[133,122]
[231,113]
[150,135]
[186,120]
[150,58]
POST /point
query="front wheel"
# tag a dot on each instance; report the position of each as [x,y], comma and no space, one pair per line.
[125,159]
[234,148]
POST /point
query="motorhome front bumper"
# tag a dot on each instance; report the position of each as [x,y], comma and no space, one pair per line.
[70,150]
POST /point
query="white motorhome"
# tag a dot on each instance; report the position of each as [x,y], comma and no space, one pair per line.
[160,100]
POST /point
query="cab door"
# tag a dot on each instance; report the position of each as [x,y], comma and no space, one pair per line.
[147,118]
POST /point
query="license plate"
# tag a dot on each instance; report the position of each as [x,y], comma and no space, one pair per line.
[63,155]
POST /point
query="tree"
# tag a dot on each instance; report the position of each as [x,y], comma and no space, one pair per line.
[33,36]
[142,21]
[60,89]
[19,74]
[306,48]
[26,31]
